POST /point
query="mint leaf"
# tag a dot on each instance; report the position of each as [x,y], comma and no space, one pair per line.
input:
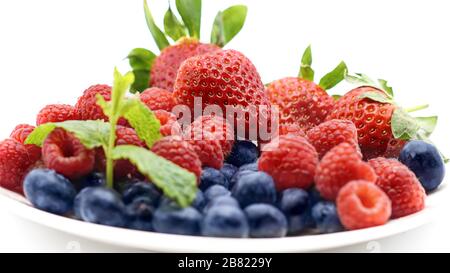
[306,72]
[158,35]
[176,182]
[141,61]
[427,124]
[227,24]
[172,26]
[376,96]
[403,125]
[142,120]
[331,79]
[191,13]
[384,85]
[336,97]
[120,86]
[91,133]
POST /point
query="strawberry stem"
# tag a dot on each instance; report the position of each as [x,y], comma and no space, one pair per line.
[416,108]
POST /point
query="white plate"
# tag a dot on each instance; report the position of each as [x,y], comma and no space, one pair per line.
[152,241]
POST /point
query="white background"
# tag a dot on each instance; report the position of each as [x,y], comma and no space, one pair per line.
[50,51]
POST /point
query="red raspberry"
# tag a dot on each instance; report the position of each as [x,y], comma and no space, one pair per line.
[331,133]
[87,107]
[56,113]
[158,99]
[291,161]
[20,134]
[65,154]
[179,152]
[339,166]
[212,128]
[290,129]
[169,124]
[14,164]
[400,184]
[362,204]
[209,152]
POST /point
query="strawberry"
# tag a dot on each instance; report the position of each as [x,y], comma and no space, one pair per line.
[225,78]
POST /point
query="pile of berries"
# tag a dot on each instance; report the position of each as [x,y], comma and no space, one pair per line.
[332,165]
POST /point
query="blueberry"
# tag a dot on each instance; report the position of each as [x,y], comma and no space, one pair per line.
[265,221]
[225,221]
[293,201]
[243,152]
[94,179]
[214,192]
[256,187]
[314,196]
[221,201]
[175,220]
[424,160]
[141,189]
[210,177]
[199,201]
[326,218]
[238,176]
[298,223]
[101,206]
[77,202]
[249,167]
[140,213]
[228,170]
[49,191]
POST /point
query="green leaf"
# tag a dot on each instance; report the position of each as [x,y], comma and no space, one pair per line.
[191,13]
[176,182]
[142,120]
[120,86]
[331,79]
[306,72]
[360,79]
[384,85]
[376,96]
[141,61]
[227,24]
[159,37]
[427,124]
[403,125]
[91,133]
[336,97]
[172,26]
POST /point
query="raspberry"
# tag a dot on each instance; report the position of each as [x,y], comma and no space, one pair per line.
[290,129]
[56,113]
[400,184]
[87,107]
[179,152]
[20,134]
[361,204]
[122,168]
[212,128]
[14,164]
[331,133]
[291,161]
[65,154]
[339,166]
[209,152]
[158,99]
[169,124]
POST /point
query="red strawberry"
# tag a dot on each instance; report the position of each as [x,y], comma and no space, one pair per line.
[158,99]
[339,166]
[400,184]
[291,161]
[372,120]
[331,133]
[56,113]
[300,101]
[165,67]
[169,124]
[225,78]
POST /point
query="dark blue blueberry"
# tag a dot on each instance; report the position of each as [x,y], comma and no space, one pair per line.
[314,196]
[210,177]
[140,213]
[266,221]
[238,176]
[94,179]
[256,187]
[424,160]
[101,206]
[228,170]
[243,152]
[199,201]
[298,223]
[141,189]
[326,218]
[293,201]
[77,202]
[164,202]
[225,221]
[221,201]
[49,191]
[249,167]
[214,192]
[175,220]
